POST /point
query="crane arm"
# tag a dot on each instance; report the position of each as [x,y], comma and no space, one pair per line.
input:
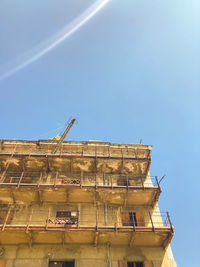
[64,135]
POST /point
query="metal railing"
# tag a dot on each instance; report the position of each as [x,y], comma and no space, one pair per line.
[83,219]
[81,179]
[80,152]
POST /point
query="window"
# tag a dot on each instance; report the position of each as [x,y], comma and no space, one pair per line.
[63,214]
[130,218]
[135,264]
[123,181]
[61,264]
[65,217]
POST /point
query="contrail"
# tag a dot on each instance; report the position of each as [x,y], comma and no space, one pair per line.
[63,34]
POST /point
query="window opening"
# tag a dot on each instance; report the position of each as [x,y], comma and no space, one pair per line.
[61,264]
[129,218]
[123,181]
[133,219]
[135,264]
[65,217]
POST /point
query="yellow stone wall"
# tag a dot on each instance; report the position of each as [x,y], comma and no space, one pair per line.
[84,256]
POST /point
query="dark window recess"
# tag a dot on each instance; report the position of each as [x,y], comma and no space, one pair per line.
[66,217]
[63,214]
[123,181]
[123,263]
[132,218]
[61,264]
[129,218]
[135,264]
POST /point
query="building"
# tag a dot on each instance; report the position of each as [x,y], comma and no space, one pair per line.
[89,204]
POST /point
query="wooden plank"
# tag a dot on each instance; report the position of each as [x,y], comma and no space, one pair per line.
[140,218]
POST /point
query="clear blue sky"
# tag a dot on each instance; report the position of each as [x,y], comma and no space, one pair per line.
[131,72]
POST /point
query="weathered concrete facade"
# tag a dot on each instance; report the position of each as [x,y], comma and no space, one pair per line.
[91,203]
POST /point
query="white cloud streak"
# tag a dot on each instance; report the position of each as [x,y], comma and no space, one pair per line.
[58,38]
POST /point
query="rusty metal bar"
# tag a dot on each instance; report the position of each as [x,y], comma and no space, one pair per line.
[29,221]
[8,163]
[132,238]
[39,181]
[47,221]
[95,197]
[158,183]
[116,220]
[142,182]
[77,156]
[20,179]
[30,151]
[47,151]
[6,219]
[104,179]
[39,196]
[96,235]
[55,180]
[151,221]
[95,180]
[127,182]
[2,176]
[169,221]
[148,166]
[81,178]
[97,218]
[78,217]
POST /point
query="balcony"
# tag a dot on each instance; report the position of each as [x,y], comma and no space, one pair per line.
[74,157]
[85,227]
[121,189]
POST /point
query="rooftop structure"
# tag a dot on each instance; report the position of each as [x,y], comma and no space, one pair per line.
[84,204]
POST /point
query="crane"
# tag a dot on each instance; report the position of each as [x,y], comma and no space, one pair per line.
[62,138]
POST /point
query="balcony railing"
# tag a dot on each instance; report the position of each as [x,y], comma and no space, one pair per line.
[85,227]
[59,179]
[75,151]
[44,219]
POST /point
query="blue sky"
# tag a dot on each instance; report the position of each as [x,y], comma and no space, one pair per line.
[131,72]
